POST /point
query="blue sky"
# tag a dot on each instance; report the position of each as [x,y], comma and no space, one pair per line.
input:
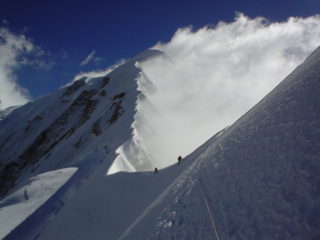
[68,31]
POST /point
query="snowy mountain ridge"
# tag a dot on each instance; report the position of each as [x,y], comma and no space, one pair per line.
[64,129]
[65,116]
[257,179]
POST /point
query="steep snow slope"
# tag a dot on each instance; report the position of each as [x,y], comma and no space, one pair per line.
[105,206]
[80,126]
[259,180]
[21,204]
[6,112]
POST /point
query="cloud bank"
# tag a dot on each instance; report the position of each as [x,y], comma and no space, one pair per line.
[15,51]
[212,76]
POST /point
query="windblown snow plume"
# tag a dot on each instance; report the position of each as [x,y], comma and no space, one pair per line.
[210,77]
[98,73]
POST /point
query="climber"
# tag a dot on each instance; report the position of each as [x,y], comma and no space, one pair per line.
[179,159]
[155,170]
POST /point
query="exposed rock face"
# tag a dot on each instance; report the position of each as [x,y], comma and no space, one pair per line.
[77,114]
[75,86]
[81,109]
[116,108]
[96,128]
[105,81]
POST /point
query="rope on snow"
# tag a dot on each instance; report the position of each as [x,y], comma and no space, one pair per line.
[210,214]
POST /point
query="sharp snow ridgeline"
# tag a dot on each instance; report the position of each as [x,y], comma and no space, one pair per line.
[58,130]
[258,179]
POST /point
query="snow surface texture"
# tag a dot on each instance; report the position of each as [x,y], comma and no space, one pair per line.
[259,180]
[19,205]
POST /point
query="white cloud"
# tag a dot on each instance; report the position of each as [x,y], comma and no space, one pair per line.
[90,58]
[11,47]
[17,50]
[37,63]
[214,75]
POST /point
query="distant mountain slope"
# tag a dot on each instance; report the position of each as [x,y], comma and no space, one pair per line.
[6,112]
[80,127]
[259,180]
[63,126]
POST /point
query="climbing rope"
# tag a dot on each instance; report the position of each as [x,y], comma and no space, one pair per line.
[209,211]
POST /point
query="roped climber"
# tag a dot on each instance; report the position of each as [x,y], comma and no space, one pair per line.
[179,159]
